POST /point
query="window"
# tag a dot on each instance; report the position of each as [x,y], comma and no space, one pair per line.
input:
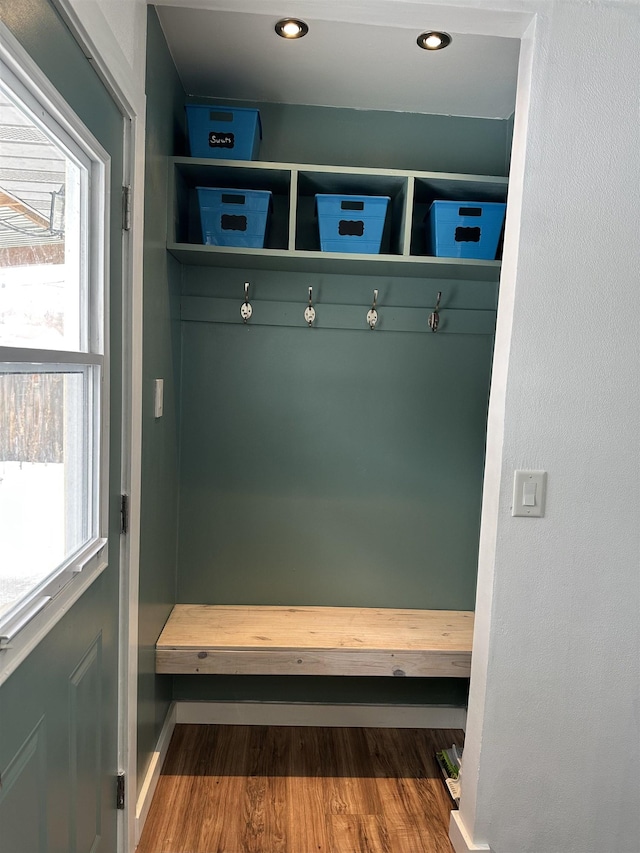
[52,363]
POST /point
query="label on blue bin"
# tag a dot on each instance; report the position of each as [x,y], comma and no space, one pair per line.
[221,140]
[229,222]
[351,228]
[467,235]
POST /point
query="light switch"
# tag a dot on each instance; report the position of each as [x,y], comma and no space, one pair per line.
[158,400]
[529,493]
[529,489]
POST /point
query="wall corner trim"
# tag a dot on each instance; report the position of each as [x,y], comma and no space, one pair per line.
[459,836]
[150,781]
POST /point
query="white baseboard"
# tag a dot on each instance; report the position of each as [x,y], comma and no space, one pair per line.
[459,836]
[153,771]
[303,714]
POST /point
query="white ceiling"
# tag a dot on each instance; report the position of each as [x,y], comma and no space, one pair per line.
[238,56]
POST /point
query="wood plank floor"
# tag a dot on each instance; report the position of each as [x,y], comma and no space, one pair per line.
[276,789]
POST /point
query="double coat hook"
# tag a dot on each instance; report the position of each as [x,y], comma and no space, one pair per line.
[372,313]
[246,309]
[434,317]
[310,311]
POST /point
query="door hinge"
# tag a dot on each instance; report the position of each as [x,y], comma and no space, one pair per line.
[124,513]
[120,791]
[126,208]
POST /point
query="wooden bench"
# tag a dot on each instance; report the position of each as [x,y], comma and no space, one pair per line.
[254,640]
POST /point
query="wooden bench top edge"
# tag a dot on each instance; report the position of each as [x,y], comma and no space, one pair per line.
[342,630]
[363,650]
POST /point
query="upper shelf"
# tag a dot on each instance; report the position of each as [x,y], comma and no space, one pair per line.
[334,262]
[292,242]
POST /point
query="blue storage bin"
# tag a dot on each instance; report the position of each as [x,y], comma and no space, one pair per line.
[351,223]
[231,217]
[464,229]
[223,133]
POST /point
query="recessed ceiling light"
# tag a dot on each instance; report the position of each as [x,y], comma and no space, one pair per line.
[291,28]
[433,40]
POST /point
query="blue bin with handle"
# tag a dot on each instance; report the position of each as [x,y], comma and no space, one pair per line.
[464,229]
[231,217]
[223,133]
[351,223]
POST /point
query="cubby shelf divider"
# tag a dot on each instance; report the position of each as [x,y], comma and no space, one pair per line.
[292,242]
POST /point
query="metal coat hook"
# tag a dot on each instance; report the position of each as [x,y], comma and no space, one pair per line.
[434,317]
[246,309]
[310,311]
[372,314]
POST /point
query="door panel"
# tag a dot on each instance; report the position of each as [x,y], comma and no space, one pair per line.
[67,801]
[23,795]
[58,710]
[85,757]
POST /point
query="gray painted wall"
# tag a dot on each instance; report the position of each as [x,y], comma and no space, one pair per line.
[161,359]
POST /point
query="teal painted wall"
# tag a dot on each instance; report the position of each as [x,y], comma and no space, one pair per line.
[330,467]
[161,359]
[381,140]
[322,689]
[58,710]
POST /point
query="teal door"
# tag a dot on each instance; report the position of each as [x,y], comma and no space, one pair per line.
[59,708]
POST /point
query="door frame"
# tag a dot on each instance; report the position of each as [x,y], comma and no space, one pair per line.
[132,109]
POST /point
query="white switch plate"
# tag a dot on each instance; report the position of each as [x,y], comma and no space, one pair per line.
[158,400]
[524,484]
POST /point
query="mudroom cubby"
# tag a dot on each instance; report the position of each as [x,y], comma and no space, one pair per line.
[292,237]
[463,188]
[350,182]
[322,464]
[189,173]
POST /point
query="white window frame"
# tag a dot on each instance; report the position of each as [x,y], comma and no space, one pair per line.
[41,610]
